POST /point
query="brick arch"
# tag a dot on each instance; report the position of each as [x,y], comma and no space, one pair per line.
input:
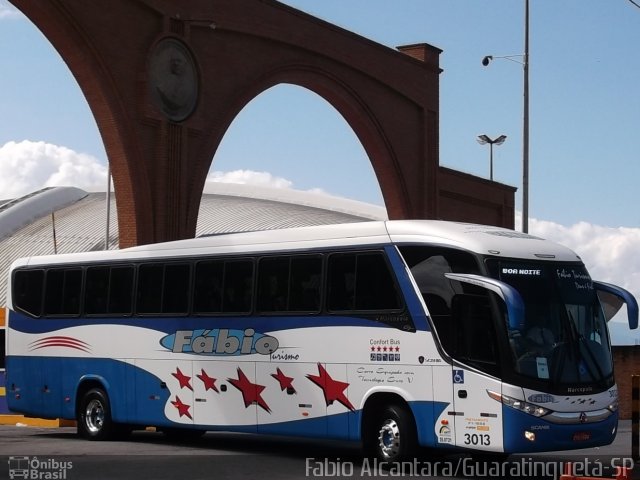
[160,153]
[353,108]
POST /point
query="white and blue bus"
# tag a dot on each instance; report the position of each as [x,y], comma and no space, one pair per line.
[395,334]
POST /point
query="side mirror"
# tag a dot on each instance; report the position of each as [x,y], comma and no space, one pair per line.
[510,296]
[613,297]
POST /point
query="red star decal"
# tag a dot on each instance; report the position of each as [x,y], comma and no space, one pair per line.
[379,349]
[397,349]
[183,409]
[373,349]
[182,379]
[285,382]
[209,382]
[250,391]
[384,349]
[333,389]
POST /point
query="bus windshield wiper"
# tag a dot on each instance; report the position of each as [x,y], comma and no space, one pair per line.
[580,340]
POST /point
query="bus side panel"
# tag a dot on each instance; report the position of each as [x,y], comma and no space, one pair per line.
[47,387]
[24,377]
[35,386]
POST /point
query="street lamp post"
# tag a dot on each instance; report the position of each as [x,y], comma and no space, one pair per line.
[525,114]
[483,140]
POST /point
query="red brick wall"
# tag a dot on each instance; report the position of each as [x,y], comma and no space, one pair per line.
[626,363]
[465,198]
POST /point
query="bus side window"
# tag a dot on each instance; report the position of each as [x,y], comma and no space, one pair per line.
[238,286]
[62,291]
[208,286]
[96,290]
[273,284]
[121,290]
[175,289]
[304,289]
[149,290]
[428,267]
[375,288]
[108,290]
[27,291]
[361,282]
[341,282]
[289,284]
[476,338]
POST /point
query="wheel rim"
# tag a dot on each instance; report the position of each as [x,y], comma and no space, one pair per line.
[94,416]
[389,439]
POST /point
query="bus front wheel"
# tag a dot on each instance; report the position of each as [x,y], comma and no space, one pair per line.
[392,437]
[94,416]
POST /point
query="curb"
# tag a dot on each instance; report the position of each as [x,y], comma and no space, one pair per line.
[20,420]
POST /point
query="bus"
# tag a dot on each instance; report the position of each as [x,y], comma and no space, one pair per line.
[396,334]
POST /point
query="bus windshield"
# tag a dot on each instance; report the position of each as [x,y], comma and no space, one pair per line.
[564,338]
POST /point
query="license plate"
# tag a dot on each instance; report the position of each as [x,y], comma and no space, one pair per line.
[581,436]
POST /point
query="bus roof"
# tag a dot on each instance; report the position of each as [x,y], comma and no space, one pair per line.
[481,239]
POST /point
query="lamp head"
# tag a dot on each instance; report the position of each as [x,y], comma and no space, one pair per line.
[483,139]
[486,60]
[500,140]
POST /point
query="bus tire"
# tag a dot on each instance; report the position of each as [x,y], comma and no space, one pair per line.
[392,436]
[94,416]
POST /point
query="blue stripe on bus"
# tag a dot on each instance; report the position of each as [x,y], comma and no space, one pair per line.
[22,323]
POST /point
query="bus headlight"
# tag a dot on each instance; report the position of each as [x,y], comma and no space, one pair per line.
[613,406]
[521,405]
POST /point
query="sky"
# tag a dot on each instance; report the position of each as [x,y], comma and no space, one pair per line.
[584,116]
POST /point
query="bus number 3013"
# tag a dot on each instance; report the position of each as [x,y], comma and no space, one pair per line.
[477,439]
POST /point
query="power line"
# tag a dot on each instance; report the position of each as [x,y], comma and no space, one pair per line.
[635,3]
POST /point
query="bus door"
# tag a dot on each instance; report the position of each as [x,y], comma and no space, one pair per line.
[478,417]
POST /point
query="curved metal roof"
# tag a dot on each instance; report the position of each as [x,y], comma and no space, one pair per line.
[27,223]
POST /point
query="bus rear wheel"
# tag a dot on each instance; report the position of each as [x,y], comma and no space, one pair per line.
[392,437]
[94,416]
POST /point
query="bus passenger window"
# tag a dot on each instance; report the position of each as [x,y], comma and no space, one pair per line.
[149,289]
[96,290]
[341,283]
[361,282]
[121,290]
[27,291]
[208,287]
[175,290]
[289,284]
[273,284]
[304,289]
[238,286]
[375,288]
[62,291]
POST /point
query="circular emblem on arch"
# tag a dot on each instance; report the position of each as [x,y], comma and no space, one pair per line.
[173,79]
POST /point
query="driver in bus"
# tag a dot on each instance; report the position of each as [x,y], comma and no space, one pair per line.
[539,336]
